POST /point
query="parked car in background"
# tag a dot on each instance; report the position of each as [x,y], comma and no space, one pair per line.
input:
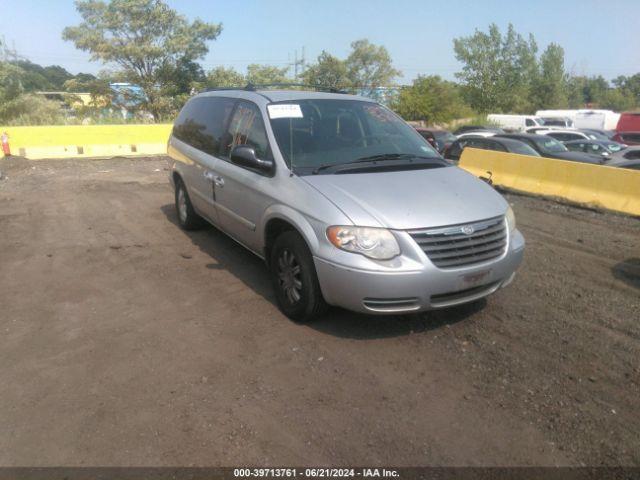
[599,148]
[564,135]
[599,134]
[557,122]
[629,153]
[454,152]
[629,122]
[567,135]
[439,139]
[515,122]
[359,213]
[549,147]
[628,138]
[477,133]
[473,128]
[539,129]
[630,164]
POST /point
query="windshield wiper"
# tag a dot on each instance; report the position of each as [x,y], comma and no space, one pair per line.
[371,158]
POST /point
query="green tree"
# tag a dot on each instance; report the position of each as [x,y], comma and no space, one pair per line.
[432,100]
[145,38]
[266,74]
[328,71]
[629,87]
[617,99]
[221,77]
[550,86]
[497,70]
[369,66]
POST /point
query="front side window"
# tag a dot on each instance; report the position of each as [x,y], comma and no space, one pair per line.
[576,147]
[247,128]
[327,132]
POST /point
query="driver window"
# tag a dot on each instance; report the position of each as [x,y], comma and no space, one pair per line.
[247,128]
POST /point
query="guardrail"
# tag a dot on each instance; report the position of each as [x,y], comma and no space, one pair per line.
[591,185]
[78,141]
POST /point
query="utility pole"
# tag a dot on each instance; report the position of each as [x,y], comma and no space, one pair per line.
[299,64]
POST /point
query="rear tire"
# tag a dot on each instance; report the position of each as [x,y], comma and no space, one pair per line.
[187,216]
[294,279]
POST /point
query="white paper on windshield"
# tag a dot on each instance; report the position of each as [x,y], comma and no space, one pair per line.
[284,111]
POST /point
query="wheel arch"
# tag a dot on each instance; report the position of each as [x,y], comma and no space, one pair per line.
[279,219]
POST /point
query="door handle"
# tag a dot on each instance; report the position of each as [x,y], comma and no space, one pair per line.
[218,181]
[209,175]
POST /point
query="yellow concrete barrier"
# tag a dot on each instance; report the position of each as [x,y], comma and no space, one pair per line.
[78,141]
[592,185]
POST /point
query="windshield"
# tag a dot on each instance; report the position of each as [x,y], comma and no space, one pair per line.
[317,133]
[549,144]
[613,146]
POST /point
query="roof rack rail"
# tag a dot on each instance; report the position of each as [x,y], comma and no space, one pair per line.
[253,87]
[216,89]
[321,88]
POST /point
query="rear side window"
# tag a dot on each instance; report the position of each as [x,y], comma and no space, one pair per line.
[529,123]
[632,155]
[630,137]
[247,128]
[202,121]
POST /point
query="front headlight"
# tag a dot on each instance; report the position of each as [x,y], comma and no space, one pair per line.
[511,219]
[377,243]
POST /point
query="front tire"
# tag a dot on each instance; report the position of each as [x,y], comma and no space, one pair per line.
[294,279]
[187,216]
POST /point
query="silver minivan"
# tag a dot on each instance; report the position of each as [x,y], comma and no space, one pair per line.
[347,204]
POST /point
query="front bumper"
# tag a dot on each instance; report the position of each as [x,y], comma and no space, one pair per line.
[378,291]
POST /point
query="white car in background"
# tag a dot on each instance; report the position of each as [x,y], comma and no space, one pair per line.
[477,133]
[566,135]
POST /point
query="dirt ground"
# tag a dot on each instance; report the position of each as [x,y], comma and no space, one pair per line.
[126,341]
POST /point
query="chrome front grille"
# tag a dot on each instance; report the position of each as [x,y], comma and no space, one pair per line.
[465,244]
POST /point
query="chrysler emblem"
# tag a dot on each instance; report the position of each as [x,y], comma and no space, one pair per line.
[468,229]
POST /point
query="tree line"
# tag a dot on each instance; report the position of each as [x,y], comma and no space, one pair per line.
[148,44]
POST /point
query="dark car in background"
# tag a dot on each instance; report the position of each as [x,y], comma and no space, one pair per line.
[472,128]
[629,153]
[454,152]
[633,164]
[439,139]
[550,147]
[602,148]
[628,138]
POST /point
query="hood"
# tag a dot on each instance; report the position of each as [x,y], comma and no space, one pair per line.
[577,157]
[412,198]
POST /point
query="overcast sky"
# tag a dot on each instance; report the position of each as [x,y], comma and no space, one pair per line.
[599,37]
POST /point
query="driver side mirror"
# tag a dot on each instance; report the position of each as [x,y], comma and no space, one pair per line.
[245,156]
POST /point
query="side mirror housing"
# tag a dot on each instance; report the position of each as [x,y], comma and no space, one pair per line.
[245,156]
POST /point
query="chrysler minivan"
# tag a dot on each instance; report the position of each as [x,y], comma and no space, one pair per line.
[347,204]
